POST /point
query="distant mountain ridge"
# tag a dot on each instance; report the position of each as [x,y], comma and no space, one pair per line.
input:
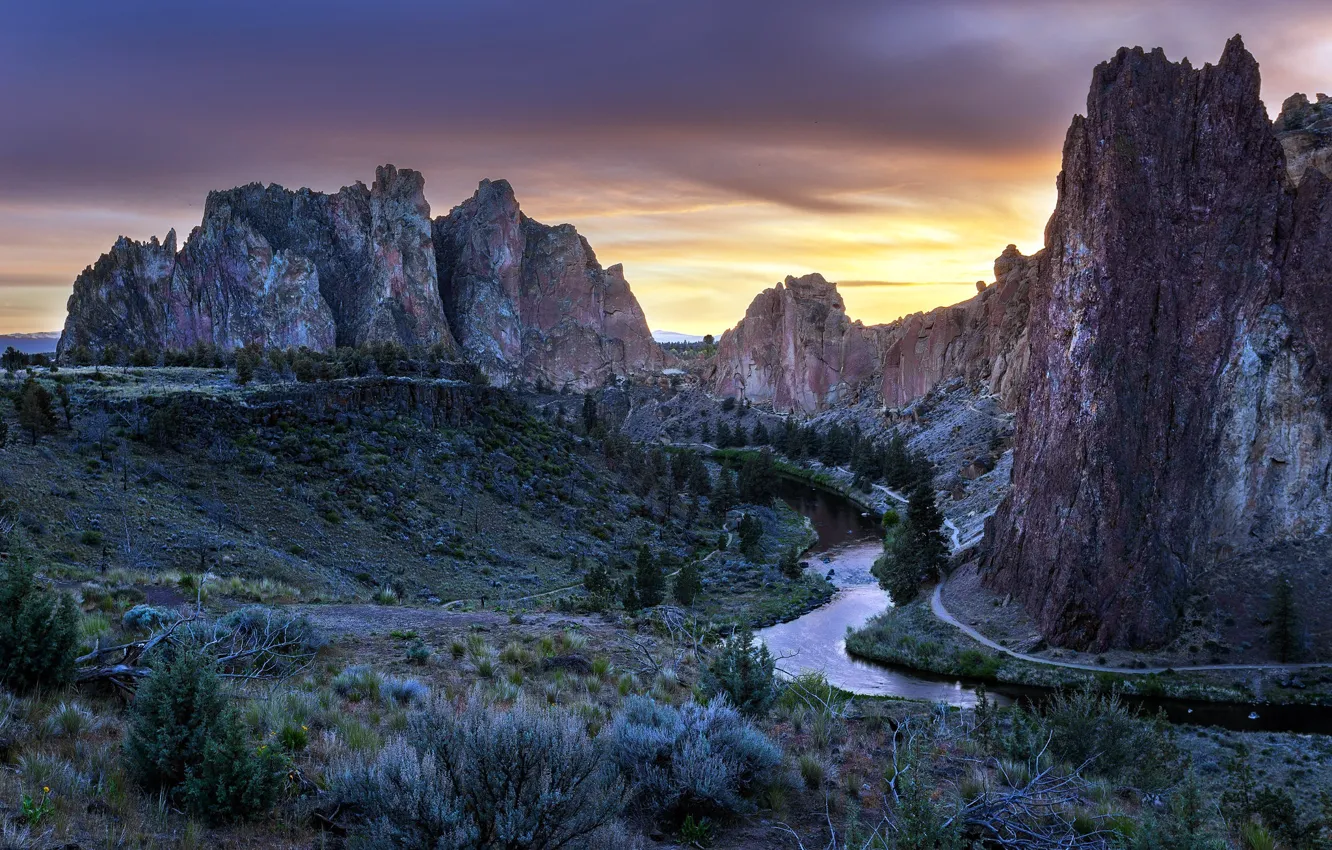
[675,336]
[40,342]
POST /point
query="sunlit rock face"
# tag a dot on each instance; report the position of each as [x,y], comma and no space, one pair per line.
[982,340]
[529,301]
[1176,408]
[1305,132]
[796,349]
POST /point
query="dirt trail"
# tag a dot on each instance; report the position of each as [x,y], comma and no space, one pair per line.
[937,606]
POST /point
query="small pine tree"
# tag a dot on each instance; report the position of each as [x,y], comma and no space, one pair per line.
[629,596]
[66,404]
[688,584]
[651,580]
[39,633]
[4,432]
[597,580]
[171,717]
[751,537]
[590,420]
[758,479]
[760,437]
[724,497]
[790,564]
[743,670]
[244,367]
[34,410]
[724,440]
[1283,633]
[234,780]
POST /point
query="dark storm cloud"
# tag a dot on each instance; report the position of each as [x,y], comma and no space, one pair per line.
[132,97]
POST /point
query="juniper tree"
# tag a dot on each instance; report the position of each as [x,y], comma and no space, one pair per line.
[590,420]
[751,537]
[790,564]
[1283,632]
[650,579]
[688,584]
[757,479]
[34,410]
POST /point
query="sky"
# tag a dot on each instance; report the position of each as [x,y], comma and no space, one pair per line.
[711,146]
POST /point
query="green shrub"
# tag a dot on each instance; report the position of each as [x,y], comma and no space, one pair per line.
[418,652]
[145,618]
[481,778]
[39,632]
[743,671]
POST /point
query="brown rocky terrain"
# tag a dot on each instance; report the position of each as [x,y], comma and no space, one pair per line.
[289,269]
[1177,412]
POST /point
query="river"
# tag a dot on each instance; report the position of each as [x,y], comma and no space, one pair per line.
[848,543]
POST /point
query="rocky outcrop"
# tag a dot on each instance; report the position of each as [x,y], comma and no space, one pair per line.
[121,299]
[231,289]
[797,350]
[1177,406]
[281,268]
[1305,132]
[372,248]
[531,301]
[982,340]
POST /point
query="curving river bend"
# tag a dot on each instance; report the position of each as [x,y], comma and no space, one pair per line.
[848,543]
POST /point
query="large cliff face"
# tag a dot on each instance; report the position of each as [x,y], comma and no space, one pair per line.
[371,247]
[531,301]
[797,350]
[284,268]
[1177,408]
[982,340]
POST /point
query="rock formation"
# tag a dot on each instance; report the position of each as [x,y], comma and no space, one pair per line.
[283,268]
[1177,404]
[982,340]
[1305,132]
[372,248]
[797,350]
[528,300]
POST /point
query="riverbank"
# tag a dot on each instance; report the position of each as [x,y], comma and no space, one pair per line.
[913,636]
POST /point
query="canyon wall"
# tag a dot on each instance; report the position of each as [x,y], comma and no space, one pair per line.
[1177,410]
[282,268]
[797,350]
[529,300]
